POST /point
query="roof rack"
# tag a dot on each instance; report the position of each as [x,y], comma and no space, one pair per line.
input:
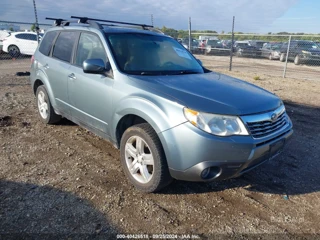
[59,21]
[86,20]
[63,22]
[94,22]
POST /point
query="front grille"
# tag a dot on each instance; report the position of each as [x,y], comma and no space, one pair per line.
[264,128]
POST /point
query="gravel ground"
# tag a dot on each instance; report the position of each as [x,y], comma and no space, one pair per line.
[62,181]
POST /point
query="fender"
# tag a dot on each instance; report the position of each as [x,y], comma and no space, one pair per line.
[40,75]
[160,119]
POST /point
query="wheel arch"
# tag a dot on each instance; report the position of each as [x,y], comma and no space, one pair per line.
[40,80]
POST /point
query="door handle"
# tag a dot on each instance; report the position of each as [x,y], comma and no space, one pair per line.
[46,66]
[72,76]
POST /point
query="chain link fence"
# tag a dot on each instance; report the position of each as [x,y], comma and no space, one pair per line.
[295,56]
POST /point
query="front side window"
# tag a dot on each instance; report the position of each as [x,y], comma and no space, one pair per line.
[63,47]
[89,47]
[145,54]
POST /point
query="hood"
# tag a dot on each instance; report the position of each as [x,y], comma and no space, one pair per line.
[312,50]
[211,92]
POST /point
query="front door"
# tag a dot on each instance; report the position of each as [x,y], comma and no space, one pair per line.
[90,94]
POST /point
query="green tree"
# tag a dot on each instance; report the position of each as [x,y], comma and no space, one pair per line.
[11,29]
[33,28]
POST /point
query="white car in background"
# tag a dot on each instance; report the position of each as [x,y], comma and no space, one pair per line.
[20,43]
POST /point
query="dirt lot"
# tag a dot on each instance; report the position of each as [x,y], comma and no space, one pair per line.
[263,66]
[63,182]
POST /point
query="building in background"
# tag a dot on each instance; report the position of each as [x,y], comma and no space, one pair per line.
[9,27]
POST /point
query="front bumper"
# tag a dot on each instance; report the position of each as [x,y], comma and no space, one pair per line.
[189,151]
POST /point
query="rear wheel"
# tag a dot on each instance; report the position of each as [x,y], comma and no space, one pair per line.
[14,51]
[143,158]
[46,111]
[282,57]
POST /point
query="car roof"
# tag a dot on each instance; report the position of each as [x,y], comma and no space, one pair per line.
[106,29]
[15,33]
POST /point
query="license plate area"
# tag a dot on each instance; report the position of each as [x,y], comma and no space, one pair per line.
[276,148]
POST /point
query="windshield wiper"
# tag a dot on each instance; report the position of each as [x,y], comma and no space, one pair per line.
[188,72]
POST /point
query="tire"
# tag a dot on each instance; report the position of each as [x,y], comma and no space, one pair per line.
[282,57]
[270,57]
[15,51]
[297,60]
[145,177]
[238,54]
[45,109]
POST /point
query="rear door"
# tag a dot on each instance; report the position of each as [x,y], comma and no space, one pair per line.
[90,94]
[57,67]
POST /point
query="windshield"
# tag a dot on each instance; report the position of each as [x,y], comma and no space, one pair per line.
[144,54]
[308,45]
[243,44]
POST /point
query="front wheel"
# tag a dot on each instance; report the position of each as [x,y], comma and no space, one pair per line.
[282,57]
[143,158]
[46,111]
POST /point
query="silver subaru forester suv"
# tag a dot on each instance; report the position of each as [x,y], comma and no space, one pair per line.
[170,117]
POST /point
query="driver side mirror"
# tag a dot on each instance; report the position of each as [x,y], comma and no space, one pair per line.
[95,66]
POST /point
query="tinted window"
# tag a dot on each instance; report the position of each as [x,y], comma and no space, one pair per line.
[27,36]
[46,43]
[151,54]
[21,36]
[89,47]
[64,46]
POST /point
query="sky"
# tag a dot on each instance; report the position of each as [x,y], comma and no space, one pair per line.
[252,16]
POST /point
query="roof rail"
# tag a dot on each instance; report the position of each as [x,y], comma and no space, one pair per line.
[63,22]
[59,21]
[86,20]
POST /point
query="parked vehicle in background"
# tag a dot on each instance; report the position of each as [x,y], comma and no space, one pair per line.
[215,47]
[243,49]
[271,50]
[3,35]
[226,43]
[21,43]
[258,45]
[194,44]
[300,52]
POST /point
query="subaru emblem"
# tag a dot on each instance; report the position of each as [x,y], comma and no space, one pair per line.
[274,117]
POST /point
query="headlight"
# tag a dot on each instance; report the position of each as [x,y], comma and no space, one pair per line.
[215,124]
[306,52]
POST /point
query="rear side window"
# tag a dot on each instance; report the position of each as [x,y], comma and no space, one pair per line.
[46,43]
[27,36]
[64,46]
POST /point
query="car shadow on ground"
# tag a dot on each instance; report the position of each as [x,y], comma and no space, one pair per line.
[294,172]
[31,211]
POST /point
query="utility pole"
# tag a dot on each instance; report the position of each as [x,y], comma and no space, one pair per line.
[36,17]
[232,43]
[152,19]
[190,34]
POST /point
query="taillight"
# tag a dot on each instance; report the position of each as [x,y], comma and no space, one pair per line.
[32,59]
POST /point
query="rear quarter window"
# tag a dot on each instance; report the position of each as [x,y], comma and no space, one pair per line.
[63,47]
[47,42]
